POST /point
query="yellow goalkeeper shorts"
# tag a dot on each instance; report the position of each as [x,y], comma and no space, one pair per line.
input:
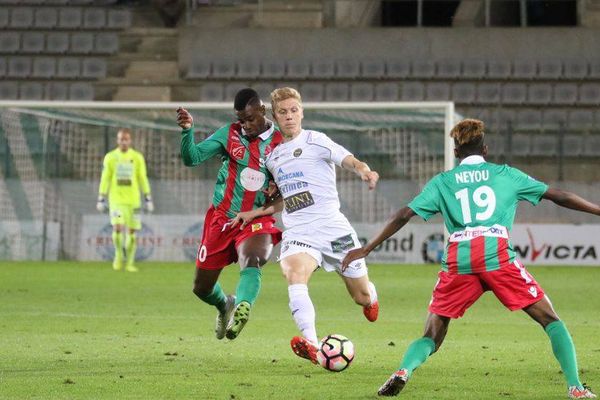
[126,215]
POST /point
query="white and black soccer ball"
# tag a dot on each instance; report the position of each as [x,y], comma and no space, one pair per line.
[335,353]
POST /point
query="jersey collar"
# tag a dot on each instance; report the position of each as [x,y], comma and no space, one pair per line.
[471,160]
[266,134]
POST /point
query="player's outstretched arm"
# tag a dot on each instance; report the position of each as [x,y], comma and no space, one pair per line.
[245,217]
[192,153]
[361,169]
[394,224]
[570,200]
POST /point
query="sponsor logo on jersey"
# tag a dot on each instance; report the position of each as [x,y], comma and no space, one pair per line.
[298,201]
[343,244]
[471,233]
[252,179]
[297,152]
[257,227]
[288,187]
[281,176]
[238,152]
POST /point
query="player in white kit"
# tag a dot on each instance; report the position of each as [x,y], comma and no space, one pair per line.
[316,232]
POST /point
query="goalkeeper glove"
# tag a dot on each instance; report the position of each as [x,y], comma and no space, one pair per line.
[148,203]
[101,204]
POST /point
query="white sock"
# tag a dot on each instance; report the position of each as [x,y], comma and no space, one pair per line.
[303,311]
[373,292]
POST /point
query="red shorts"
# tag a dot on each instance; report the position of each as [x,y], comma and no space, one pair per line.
[453,294]
[219,242]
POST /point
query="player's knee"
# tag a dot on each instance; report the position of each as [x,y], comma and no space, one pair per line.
[201,290]
[252,260]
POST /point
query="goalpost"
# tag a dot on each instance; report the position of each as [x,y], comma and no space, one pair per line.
[51,159]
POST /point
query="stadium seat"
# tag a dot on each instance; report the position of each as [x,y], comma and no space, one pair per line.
[578,119]
[565,93]
[348,68]
[488,93]
[524,69]
[273,68]
[589,94]
[322,68]
[57,42]
[297,68]
[106,43]
[82,43]
[199,69]
[9,90]
[372,68]
[264,90]
[514,93]
[68,67]
[56,91]
[70,17]
[594,69]
[32,42]
[31,91]
[550,69]
[423,69]
[118,19]
[231,89]
[575,69]
[413,91]
[437,91]
[336,92]
[9,42]
[553,119]
[312,91]
[386,91]
[94,18]
[44,67]
[544,144]
[223,69]
[448,68]
[591,145]
[529,119]
[211,92]
[521,144]
[93,68]
[502,118]
[397,68]
[473,68]
[539,93]
[19,67]
[498,69]
[572,145]
[21,17]
[248,68]
[46,18]
[4,17]
[2,67]
[361,91]
[463,92]
[81,91]
[496,142]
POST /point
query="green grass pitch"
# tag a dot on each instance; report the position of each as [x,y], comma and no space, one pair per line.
[82,331]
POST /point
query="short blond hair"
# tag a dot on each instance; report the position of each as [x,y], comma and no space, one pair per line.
[284,93]
[468,132]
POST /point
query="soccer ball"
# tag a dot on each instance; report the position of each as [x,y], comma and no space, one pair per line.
[335,353]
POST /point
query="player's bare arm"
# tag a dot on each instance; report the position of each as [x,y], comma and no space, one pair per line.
[394,224]
[270,208]
[361,169]
[184,118]
[570,200]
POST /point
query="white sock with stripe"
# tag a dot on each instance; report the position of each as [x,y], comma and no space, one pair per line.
[303,311]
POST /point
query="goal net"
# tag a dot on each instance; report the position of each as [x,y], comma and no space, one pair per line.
[51,162]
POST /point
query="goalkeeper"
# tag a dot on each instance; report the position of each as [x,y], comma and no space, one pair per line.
[123,175]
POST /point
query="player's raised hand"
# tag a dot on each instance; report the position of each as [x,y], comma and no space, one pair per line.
[184,118]
[242,219]
[371,178]
[352,255]
[271,192]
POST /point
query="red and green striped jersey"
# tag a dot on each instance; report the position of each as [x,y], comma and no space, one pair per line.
[478,201]
[243,174]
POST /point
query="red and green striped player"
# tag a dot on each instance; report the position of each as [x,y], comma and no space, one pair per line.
[478,201]
[241,184]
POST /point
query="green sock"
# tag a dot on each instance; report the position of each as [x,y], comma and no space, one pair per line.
[249,285]
[130,248]
[215,298]
[417,353]
[117,238]
[564,351]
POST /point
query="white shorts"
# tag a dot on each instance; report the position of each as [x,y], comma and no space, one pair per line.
[328,244]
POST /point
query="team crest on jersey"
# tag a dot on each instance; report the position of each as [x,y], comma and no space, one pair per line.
[297,152]
[238,152]
[257,227]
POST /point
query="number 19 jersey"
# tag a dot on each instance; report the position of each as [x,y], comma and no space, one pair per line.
[478,201]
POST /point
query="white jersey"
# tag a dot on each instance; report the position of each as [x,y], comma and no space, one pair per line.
[304,171]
